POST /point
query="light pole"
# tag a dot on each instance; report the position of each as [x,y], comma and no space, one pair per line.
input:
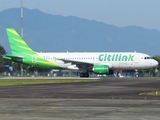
[21,65]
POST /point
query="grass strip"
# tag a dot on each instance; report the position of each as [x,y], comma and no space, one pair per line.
[18,82]
[154,93]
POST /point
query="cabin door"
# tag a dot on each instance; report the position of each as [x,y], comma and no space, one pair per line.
[34,58]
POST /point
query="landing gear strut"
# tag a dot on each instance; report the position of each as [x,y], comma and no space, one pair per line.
[136,74]
[86,74]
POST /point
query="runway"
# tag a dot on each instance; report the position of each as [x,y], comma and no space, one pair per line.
[110,98]
[78,109]
[106,88]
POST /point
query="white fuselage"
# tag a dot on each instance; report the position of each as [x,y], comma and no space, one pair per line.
[115,60]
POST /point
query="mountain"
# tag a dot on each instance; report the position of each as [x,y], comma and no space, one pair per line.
[46,32]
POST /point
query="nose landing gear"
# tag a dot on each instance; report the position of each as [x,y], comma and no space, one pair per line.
[136,74]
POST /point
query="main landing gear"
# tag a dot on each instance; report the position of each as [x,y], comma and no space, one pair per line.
[84,74]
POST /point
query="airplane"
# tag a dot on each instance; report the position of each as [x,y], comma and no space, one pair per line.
[85,62]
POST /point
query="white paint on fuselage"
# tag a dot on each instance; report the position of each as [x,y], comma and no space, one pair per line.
[113,59]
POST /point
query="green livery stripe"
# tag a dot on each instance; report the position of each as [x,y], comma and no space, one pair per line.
[47,63]
[25,48]
[19,41]
[12,31]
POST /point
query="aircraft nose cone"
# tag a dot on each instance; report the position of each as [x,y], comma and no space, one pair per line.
[155,63]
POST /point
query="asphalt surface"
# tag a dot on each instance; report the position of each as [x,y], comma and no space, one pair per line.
[108,88]
[78,109]
[111,99]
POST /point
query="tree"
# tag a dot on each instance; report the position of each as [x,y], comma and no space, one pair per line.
[2,52]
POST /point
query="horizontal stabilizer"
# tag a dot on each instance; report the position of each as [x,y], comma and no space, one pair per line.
[13,57]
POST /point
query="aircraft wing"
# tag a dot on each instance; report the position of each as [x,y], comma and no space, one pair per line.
[84,65]
[79,64]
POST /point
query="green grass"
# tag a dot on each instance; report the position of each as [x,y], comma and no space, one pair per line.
[152,93]
[18,82]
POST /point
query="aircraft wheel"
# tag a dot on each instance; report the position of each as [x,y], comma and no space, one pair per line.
[81,75]
[137,76]
[86,74]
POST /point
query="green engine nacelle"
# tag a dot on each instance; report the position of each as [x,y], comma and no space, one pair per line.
[102,69]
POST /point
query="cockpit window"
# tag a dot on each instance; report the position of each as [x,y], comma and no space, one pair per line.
[148,58]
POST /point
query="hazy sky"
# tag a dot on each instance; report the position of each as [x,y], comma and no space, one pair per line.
[144,13]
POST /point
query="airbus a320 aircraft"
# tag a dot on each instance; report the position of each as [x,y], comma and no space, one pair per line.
[85,62]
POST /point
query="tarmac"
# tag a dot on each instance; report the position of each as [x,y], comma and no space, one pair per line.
[108,99]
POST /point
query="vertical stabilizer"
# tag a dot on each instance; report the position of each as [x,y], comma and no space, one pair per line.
[17,44]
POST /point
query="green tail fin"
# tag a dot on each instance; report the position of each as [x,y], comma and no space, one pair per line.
[22,53]
[17,44]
